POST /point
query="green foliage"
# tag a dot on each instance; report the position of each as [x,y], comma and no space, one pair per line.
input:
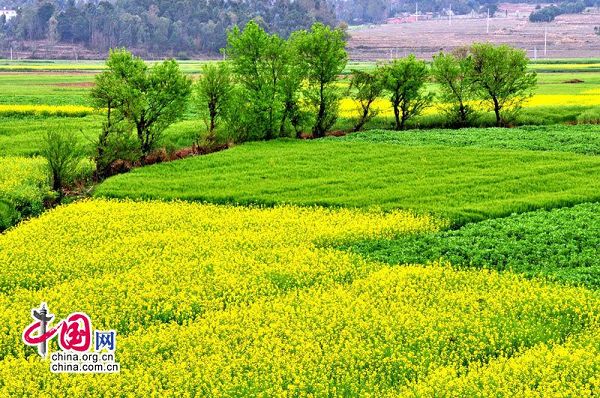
[444,180]
[405,80]
[322,51]
[562,244]
[454,72]
[213,94]
[548,14]
[367,86]
[8,215]
[502,79]
[259,61]
[62,157]
[149,99]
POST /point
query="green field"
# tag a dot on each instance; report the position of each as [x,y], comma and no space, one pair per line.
[577,139]
[463,184]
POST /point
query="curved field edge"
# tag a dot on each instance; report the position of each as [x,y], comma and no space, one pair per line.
[560,244]
[461,184]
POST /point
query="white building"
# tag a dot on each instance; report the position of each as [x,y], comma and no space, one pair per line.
[8,14]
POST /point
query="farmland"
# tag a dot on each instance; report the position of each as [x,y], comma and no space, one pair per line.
[423,263]
[463,184]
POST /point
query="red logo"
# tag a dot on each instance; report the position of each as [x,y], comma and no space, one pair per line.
[75,332]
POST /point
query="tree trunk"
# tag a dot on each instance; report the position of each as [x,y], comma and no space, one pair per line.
[497,112]
[363,119]
[397,116]
[318,131]
[463,115]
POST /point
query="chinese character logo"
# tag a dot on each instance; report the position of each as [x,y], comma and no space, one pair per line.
[75,332]
[74,338]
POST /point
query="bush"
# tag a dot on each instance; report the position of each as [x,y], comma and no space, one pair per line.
[8,215]
[590,116]
[63,156]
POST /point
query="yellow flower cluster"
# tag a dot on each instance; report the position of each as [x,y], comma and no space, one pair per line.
[213,300]
[561,66]
[349,108]
[46,110]
[583,99]
[217,255]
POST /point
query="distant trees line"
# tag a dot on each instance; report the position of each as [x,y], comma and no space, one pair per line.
[176,28]
[273,87]
[549,13]
[482,76]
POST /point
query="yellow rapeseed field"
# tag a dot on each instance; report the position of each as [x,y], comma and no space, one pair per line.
[18,173]
[213,300]
[46,110]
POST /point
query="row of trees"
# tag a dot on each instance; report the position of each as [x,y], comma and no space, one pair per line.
[273,87]
[269,87]
[495,76]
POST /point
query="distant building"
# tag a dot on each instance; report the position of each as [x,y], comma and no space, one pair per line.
[409,18]
[8,14]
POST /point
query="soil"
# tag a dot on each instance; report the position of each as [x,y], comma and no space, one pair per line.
[569,36]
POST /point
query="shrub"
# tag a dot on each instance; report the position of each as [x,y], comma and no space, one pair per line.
[590,116]
[62,155]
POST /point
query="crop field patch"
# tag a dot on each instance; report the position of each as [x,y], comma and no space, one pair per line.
[462,184]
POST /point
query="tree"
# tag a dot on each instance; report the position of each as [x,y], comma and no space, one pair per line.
[291,87]
[150,99]
[322,50]
[454,73]
[405,80]
[501,79]
[259,62]
[367,87]
[114,141]
[213,93]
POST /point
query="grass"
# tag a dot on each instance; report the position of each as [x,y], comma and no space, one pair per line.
[561,244]
[63,83]
[463,184]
